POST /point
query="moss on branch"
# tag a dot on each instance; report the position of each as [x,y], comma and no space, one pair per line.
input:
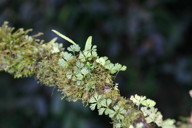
[78,75]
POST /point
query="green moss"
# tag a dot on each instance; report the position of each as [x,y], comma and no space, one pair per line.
[78,75]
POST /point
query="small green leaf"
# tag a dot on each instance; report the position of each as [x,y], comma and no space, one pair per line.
[82,57]
[152,115]
[94,51]
[79,76]
[101,61]
[93,106]
[69,74]
[103,103]
[84,71]
[109,66]
[87,54]
[92,100]
[90,84]
[123,68]
[74,48]
[101,111]
[119,117]
[67,56]
[55,48]
[76,70]
[99,105]
[89,65]
[148,103]
[64,37]
[62,63]
[109,112]
[109,101]
[122,111]
[88,44]
[79,64]
[117,66]
[112,113]
[169,123]
[95,98]
[137,99]
[116,107]
[159,119]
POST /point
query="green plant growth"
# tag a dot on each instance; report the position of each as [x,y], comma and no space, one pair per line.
[79,74]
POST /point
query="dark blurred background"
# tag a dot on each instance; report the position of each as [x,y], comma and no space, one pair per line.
[152,37]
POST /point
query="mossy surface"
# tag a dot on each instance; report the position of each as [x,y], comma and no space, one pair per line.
[78,75]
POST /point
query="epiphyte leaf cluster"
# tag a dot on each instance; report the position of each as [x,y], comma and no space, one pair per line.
[78,75]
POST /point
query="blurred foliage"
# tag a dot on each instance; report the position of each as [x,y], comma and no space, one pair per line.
[153,38]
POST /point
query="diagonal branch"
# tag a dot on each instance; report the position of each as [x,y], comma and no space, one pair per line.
[78,75]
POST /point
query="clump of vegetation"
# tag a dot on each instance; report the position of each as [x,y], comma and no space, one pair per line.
[79,74]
